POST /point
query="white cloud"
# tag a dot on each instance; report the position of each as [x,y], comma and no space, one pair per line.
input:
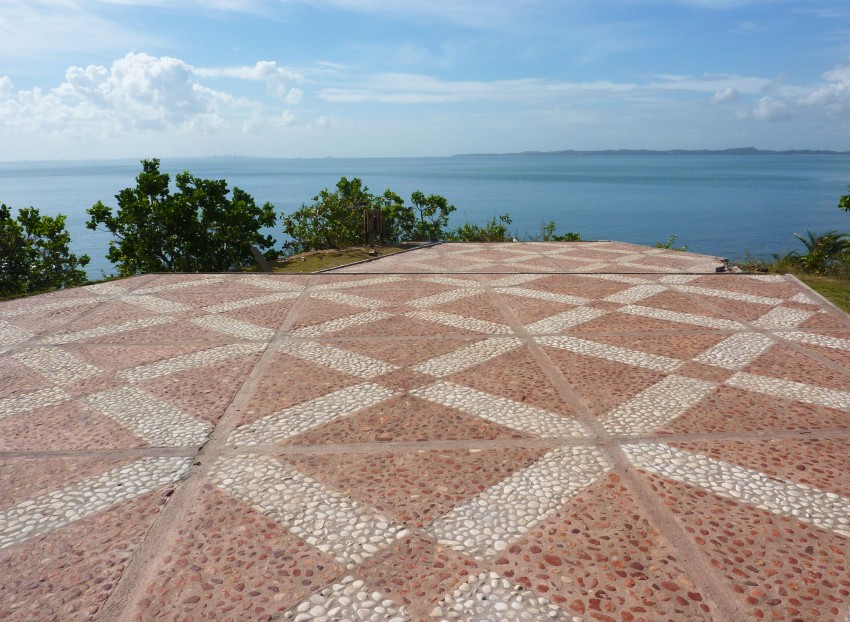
[729,94]
[771,109]
[139,93]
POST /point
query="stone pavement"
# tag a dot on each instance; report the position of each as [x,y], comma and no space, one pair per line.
[585,431]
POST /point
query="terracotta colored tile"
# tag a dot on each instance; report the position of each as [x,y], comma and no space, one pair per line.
[317,310]
[729,409]
[399,294]
[69,573]
[68,426]
[288,381]
[603,385]
[26,478]
[777,567]
[416,573]
[735,309]
[107,314]
[199,297]
[822,463]
[701,371]
[783,362]
[205,392]
[625,322]
[827,321]
[48,321]
[478,306]
[681,303]
[530,310]
[415,487]
[229,561]
[746,285]
[180,332]
[599,555]
[840,358]
[681,346]
[406,419]
[403,380]
[270,315]
[401,326]
[114,357]
[16,378]
[516,376]
[581,286]
[405,352]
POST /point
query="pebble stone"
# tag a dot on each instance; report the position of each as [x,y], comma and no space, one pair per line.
[487,523]
[490,597]
[347,600]
[190,361]
[807,503]
[336,358]
[467,357]
[327,519]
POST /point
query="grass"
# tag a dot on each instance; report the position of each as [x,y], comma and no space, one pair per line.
[322,260]
[835,290]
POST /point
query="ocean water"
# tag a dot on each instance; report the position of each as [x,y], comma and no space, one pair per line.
[716,204]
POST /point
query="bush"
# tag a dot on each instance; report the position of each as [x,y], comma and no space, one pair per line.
[196,229]
[493,231]
[35,254]
[335,219]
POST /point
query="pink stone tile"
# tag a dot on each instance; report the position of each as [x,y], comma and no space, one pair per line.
[600,558]
[316,311]
[270,315]
[43,322]
[681,303]
[839,358]
[822,463]
[728,409]
[214,294]
[680,346]
[115,357]
[416,573]
[404,352]
[581,286]
[530,310]
[744,284]
[516,376]
[710,373]
[603,385]
[626,322]
[205,392]
[26,478]
[288,381]
[478,306]
[230,562]
[64,427]
[68,574]
[783,362]
[106,314]
[778,568]
[735,309]
[415,487]
[402,326]
[178,332]
[832,320]
[17,379]
[406,419]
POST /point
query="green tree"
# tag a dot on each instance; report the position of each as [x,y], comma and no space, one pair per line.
[335,218]
[196,229]
[844,202]
[35,254]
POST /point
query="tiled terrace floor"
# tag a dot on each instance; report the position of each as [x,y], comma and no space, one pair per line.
[491,438]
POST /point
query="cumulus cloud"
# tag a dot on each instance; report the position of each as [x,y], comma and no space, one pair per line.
[140,92]
[729,94]
[830,98]
[276,78]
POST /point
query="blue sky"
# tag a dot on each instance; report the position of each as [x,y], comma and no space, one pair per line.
[314,78]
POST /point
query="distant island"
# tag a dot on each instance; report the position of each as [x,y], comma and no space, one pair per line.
[745,151]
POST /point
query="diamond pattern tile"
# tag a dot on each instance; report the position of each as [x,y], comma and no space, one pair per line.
[565,431]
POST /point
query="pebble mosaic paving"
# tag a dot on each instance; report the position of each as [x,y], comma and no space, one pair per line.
[530,431]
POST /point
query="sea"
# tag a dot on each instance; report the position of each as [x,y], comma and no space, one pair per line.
[733,206]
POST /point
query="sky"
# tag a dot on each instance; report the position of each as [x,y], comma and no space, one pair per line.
[101,79]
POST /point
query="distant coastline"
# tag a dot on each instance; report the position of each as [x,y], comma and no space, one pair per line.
[739,151]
